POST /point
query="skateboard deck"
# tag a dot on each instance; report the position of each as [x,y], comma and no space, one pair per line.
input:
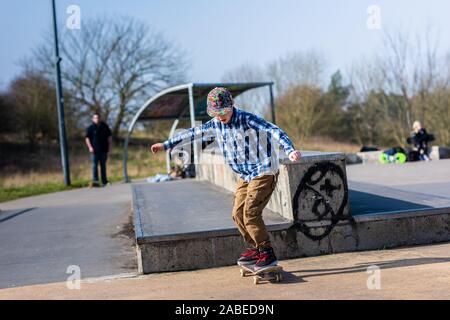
[270,274]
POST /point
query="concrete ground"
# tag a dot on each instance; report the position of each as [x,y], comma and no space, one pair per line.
[376,188]
[409,175]
[408,273]
[41,236]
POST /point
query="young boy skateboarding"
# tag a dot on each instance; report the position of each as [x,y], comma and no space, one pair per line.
[241,137]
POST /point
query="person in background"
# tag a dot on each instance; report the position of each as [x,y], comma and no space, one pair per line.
[420,139]
[99,141]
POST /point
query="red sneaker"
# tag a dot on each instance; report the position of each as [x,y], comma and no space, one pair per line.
[249,257]
[266,259]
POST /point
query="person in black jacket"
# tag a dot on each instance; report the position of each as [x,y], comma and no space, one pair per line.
[420,138]
[98,140]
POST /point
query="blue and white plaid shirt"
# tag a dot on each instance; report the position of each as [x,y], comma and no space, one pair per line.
[246,143]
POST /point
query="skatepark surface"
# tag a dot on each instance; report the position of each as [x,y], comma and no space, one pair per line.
[377,188]
[187,206]
[40,237]
[407,273]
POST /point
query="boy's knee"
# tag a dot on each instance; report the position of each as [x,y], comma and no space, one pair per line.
[253,207]
[237,214]
[252,219]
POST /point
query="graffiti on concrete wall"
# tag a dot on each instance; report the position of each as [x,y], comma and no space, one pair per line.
[320,200]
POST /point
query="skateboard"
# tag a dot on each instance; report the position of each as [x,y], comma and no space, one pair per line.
[270,274]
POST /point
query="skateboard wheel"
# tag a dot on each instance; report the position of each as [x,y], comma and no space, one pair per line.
[255,280]
[242,273]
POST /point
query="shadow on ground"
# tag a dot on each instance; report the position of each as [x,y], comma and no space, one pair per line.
[292,277]
[8,215]
[365,203]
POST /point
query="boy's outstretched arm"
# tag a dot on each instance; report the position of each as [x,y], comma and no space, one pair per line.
[187,134]
[258,123]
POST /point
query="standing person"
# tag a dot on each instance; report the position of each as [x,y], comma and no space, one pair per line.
[99,141]
[420,138]
[257,167]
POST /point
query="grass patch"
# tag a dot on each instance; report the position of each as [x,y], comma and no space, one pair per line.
[26,173]
[7,194]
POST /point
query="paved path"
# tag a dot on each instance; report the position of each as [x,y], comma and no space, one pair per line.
[40,237]
[408,273]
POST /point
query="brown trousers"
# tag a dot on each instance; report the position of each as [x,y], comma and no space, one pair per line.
[249,201]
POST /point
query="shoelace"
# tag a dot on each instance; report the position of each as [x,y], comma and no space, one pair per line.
[249,253]
[263,256]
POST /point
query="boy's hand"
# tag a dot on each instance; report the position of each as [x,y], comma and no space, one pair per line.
[157,147]
[295,156]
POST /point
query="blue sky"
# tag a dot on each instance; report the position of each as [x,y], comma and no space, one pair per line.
[221,35]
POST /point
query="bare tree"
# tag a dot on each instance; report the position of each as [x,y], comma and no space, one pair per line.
[293,69]
[297,68]
[438,117]
[299,110]
[398,83]
[8,115]
[113,64]
[410,70]
[366,111]
[34,99]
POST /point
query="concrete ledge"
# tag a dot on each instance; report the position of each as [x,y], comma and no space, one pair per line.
[436,153]
[194,253]
[364,157]
[203,234]
[314,157]
[409,214]
[209,251]
[402,231]
[330,166]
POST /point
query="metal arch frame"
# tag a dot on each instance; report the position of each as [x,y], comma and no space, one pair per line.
[189,87]
[171,133]
[136,117]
